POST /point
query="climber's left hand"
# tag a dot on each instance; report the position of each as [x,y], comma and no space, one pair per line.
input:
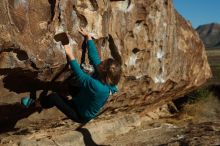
[69,52]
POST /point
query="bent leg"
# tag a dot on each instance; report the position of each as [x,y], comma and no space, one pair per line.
[65,107]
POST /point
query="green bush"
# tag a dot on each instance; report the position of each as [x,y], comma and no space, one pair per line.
[198,94]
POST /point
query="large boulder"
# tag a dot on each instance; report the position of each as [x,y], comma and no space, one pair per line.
[163,57]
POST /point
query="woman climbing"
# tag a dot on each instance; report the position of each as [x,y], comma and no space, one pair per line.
[94,90]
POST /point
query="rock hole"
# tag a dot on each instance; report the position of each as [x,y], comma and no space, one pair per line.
[135,50]
[160,70]
[94,4]
[139,21]
[34,65]
[21,55]
[62,37]
[130,34]
[166,2]
[52,8]
[82,19]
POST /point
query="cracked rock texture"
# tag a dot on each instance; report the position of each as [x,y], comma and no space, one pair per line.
[163,57]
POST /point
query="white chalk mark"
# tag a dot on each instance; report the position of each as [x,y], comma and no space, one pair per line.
[132,60]
[159,79]
[21,3]
[160,54]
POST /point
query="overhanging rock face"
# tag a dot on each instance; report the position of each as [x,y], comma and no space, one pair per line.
[163,57]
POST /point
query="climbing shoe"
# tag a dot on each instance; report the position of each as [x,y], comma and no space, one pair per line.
[62,37]
[27,102]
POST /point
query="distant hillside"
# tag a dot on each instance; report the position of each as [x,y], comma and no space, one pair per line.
[210,34]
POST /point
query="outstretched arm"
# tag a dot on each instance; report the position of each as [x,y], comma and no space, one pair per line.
[92,50]
[114,50]
[84,79]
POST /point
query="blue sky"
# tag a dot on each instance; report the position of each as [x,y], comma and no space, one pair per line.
[199,12]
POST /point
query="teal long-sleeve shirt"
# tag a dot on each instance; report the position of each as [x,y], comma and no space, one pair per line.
[93,93]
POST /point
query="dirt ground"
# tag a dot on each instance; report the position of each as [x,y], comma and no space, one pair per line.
[196,124]
[163,133]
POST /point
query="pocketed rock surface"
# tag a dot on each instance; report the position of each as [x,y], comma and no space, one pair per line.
[163,57]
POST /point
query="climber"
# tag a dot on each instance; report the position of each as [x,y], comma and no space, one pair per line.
[94,90]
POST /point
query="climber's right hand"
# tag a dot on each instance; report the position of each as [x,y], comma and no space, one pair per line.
[85,33]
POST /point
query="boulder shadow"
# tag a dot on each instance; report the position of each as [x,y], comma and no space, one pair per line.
[22,81]
[87,137]
[11,113]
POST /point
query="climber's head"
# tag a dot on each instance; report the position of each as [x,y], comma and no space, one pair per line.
[109,71]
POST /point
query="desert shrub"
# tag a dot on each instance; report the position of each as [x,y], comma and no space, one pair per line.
[198,94]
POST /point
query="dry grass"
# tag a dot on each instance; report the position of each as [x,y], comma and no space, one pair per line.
[213,52]
[202,111]
[214,61]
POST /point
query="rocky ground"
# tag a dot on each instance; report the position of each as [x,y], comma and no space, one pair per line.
[195,124]
[165,133]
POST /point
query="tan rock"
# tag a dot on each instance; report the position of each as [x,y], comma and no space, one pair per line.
[163,57]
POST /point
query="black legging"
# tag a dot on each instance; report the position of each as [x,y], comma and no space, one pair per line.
[67,107]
